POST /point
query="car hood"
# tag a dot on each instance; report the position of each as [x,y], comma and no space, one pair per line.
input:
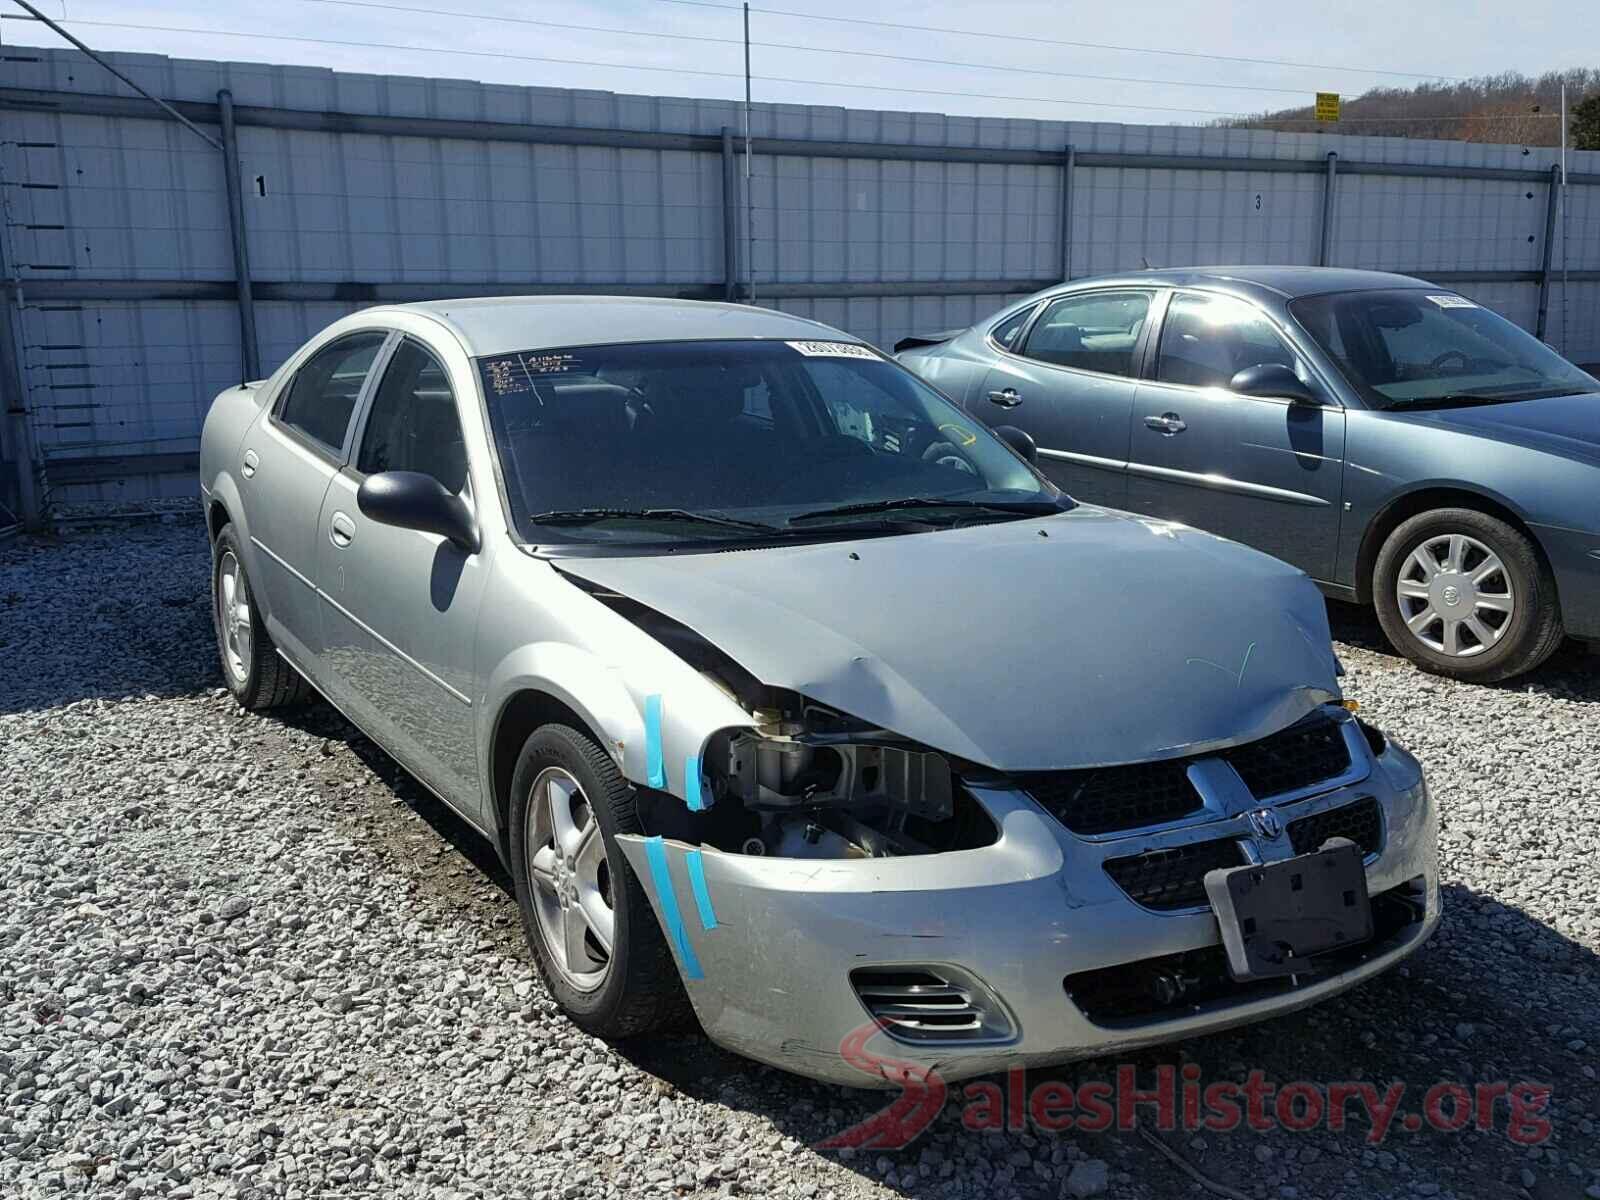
[1077,640]
[1565,425]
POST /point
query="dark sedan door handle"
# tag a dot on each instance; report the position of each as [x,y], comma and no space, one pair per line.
[341,530]
[1007,398]
[1167,423]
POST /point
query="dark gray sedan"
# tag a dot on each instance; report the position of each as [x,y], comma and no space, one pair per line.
[1403,445]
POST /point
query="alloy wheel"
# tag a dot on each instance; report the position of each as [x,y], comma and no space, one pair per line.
[570,878]
[234,617]
[1455,595]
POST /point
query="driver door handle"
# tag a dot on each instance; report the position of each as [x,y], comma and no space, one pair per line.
[1007,398]
[341,530]
[1167,423]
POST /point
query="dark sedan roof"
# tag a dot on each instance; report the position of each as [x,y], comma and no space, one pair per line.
[1285,281]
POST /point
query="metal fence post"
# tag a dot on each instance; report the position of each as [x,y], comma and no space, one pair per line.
[19,446]
[14,392]
[730,217]
[1068,160]
[1549,248]
[1329,188]
[250,349]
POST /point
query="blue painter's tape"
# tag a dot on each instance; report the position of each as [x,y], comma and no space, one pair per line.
[693,793]
[697,884]
[655,766]
[655,852]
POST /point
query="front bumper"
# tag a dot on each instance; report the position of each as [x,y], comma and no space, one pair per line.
[773,941]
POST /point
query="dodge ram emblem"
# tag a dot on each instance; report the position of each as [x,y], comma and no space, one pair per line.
[1266,824]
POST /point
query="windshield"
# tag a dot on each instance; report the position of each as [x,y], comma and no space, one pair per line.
[1416,348]
[674,441]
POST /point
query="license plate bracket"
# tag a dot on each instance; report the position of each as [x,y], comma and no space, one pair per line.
[1276,916]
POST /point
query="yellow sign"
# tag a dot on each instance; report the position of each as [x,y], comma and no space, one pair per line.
[1327,106]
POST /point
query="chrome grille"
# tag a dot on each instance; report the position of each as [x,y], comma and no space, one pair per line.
[1174,876]
[1306,753]
[1360,822]
[1110,798]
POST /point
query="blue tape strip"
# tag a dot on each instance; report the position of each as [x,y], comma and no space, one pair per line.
[692,791]
[697,884]
[655,768]
[655,852]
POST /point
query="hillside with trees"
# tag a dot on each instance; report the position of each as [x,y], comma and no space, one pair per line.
[1492,108]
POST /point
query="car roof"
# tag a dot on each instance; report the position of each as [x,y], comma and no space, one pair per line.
[489,325]
[1284,282]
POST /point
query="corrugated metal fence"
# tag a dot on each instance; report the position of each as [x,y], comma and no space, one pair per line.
[134,298]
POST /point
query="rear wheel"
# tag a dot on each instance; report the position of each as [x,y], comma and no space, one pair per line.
[1464,594]
[594,936]
[256,674]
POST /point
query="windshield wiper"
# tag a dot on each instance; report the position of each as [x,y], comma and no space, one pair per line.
[589,516]
[1453,399]
[1029,508]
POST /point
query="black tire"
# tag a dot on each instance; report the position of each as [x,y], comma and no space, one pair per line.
[1528,637]
[267,680]
[642,991]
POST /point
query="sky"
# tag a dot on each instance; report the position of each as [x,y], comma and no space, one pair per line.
[681,48]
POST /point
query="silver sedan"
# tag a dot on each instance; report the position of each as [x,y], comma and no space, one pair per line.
[790,694]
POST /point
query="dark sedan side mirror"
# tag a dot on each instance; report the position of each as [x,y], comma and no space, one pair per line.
[1273,381]
[412,500]
[1019,441]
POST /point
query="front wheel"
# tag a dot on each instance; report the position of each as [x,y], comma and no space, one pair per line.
[1463,594]
[594,935]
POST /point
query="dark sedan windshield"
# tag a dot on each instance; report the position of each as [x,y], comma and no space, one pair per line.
[674,441]
[1428,348]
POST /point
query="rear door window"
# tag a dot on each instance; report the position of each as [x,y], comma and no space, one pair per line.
[322,397]
[1098,331]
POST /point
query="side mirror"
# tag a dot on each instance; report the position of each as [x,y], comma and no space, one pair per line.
[1274,381]
[1019,441]
[411,500]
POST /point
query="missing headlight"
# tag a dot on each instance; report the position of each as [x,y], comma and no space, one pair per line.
[813,783]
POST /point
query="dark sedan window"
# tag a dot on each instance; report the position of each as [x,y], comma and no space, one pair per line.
[1206,340]
[1418,347]
[745,437]
[322,398]
[1006,333]
[1094,332]
[413,425]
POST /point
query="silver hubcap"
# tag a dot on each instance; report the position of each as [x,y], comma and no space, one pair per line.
[1455,595]
[570,879]
[233,616]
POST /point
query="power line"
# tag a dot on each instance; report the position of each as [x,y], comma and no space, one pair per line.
[614,66]
[725,41]
[506,55]
[1033,40]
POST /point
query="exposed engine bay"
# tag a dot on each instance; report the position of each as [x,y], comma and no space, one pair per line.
[806,781]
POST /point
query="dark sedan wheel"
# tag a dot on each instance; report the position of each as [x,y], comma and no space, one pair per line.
[595,938]
[256,674]
[1464,594]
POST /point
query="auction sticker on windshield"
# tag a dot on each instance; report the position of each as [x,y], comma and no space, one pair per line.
[832,350]
[1452,302]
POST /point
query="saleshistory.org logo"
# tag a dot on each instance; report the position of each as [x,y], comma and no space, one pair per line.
[1180,1099]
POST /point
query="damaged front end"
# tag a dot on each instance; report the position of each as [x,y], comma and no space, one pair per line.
[802,779]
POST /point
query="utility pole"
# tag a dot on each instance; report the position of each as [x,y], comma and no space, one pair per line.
[749,195]
[1563,214]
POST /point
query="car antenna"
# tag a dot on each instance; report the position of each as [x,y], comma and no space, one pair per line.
[1146,263]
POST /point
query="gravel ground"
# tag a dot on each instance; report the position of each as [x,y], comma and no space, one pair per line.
[245,956]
